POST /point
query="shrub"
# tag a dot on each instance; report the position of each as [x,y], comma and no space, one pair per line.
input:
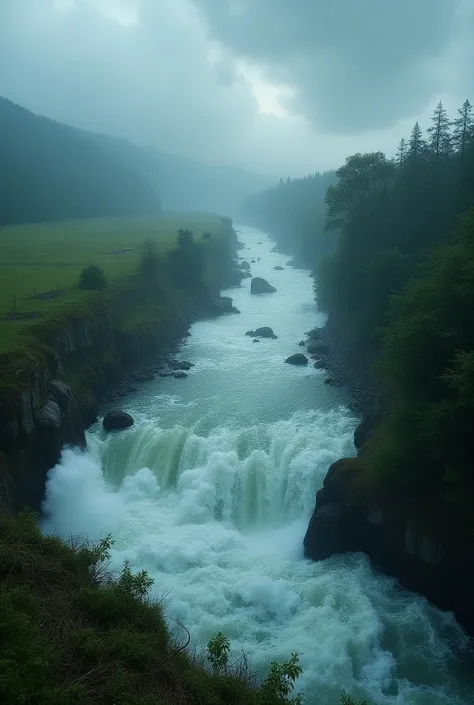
[92,277]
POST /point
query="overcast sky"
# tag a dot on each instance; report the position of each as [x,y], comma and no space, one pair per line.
[277,86]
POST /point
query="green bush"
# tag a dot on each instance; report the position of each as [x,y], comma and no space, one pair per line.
[92,277]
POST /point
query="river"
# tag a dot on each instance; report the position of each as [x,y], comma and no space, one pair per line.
[211,491]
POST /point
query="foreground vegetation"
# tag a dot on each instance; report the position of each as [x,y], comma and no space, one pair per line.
[73,634]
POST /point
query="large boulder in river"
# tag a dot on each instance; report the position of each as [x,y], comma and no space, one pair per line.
[297,359]
[245,265]
[264,332]
[117,420]
[259,285]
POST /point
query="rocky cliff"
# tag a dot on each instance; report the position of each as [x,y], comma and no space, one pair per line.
[409,538]
[48,401]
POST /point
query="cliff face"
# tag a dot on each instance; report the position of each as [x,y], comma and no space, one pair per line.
[411,542]
[50,404]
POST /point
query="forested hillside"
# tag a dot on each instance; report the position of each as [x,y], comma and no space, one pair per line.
[294,213]
[51,171]
[400,290]
[184,184]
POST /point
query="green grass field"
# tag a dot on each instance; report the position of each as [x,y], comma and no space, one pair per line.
[46,257]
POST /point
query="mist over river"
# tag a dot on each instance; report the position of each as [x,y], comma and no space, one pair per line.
[211,492]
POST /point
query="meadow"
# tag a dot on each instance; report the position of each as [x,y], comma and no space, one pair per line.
[40,263]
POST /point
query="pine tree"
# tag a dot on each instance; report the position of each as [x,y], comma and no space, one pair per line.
[401,152]
[440,138]
[416,144]
[463,130]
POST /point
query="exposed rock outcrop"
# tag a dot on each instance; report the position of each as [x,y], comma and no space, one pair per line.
[423,552]
[117,421]
[263,332]
[259,285]
[297,359]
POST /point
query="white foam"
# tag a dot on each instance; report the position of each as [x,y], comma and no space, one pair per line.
[223,534]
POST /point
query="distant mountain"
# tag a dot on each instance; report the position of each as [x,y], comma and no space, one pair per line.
[49,171]
[184,184]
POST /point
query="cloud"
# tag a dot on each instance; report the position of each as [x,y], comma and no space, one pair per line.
[279,86]
[354,64]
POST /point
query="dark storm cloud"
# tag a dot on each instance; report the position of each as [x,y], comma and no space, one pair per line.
[354,64]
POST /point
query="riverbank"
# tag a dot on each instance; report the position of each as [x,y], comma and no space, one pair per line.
[422,544]
[55,367]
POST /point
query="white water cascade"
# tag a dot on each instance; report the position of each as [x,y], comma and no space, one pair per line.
[211,491]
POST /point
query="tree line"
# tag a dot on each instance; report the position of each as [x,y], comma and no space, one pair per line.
[399,290]
[400,287]
[294,213]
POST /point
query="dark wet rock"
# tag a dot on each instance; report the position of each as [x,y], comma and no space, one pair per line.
[180,375]
[141,376]
[245,265]
[261,286]
[332,382]
[315,334]
[234,278]
[317,349]
[253,261]
[49,416]
[302,343]
[221,305]
[264,332]
[321,364]
[246,275]
[165,374]
[258,259]
[259,243]
[180,365]
[255,340]
[278,268]
[61,394]
[297,359]
[117,420]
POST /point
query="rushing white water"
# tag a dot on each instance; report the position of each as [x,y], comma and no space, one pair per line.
[211,491]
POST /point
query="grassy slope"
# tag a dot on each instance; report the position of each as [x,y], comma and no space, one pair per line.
[51,256]
[73,634]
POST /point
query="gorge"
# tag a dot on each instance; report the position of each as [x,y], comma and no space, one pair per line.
[211,490]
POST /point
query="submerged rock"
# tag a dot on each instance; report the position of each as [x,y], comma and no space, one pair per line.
[117,420]
[278,268]
[297,359]
[302,343]
[245,265]
[180,375]
[333,382]
[261,286]
[255,340]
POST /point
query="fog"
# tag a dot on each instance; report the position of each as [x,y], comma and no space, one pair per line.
[249,83]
